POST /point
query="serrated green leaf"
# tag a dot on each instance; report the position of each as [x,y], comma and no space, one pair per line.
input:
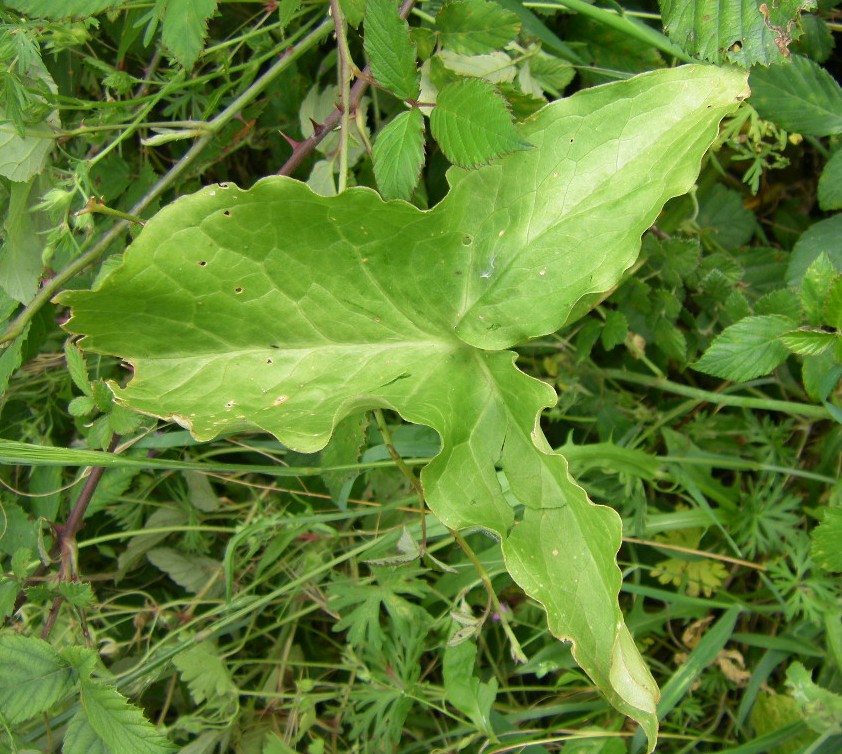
[832,309]
[823,237]
[808,342]
[783,301]
[830,183]
[800,96]
[81,738]
[723,213]
[193,572]
[737,31]
[205,674]
[398,155]
[111,723]
[472,27]
[75,361]
[33,677]
[820,709]
[21,247]
[59,9]
[185,26]
[825,539]
[354,11]
[821,375]
[390,49]
[814,287]
[342,304]
[472,124]
[81,405]
[496,67]
[287,10]
[614,330]
[747,349]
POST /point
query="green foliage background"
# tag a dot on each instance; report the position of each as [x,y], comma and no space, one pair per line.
[238,595]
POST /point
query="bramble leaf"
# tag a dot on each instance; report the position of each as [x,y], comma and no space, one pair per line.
[472,27]
[739,30]
[107,722]
[800,96]
[294,310]
[808,342]
[185,26]
[390,49]
[33,677]
[747,349]
[472,123]
[398,155]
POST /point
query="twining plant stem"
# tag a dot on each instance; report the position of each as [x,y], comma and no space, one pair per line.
[54,285]
[763,404]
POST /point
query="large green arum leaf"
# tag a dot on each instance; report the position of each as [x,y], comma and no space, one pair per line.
[279,309]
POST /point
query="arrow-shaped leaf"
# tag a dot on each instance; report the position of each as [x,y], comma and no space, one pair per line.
[279,309]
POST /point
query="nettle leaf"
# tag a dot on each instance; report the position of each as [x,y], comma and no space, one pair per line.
[800,96]
[185,26]
[472,123]
[740,31]
[293,310]
[398,155]
[747,349]
[390,49]
[473,27]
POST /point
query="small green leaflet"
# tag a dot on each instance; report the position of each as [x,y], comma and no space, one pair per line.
[747,349]
[473,125]
[206,674]
[398,155]
[390,49]
[832,309]
[33,677]
[800,96]
[736,31]
[472,27]
[185,28]
[820,238]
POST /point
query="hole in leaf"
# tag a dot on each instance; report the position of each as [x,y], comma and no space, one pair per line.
[238,290]
[227,213]
[203,264]
[274,345]
[269,361]
[222,185]
[467,240]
